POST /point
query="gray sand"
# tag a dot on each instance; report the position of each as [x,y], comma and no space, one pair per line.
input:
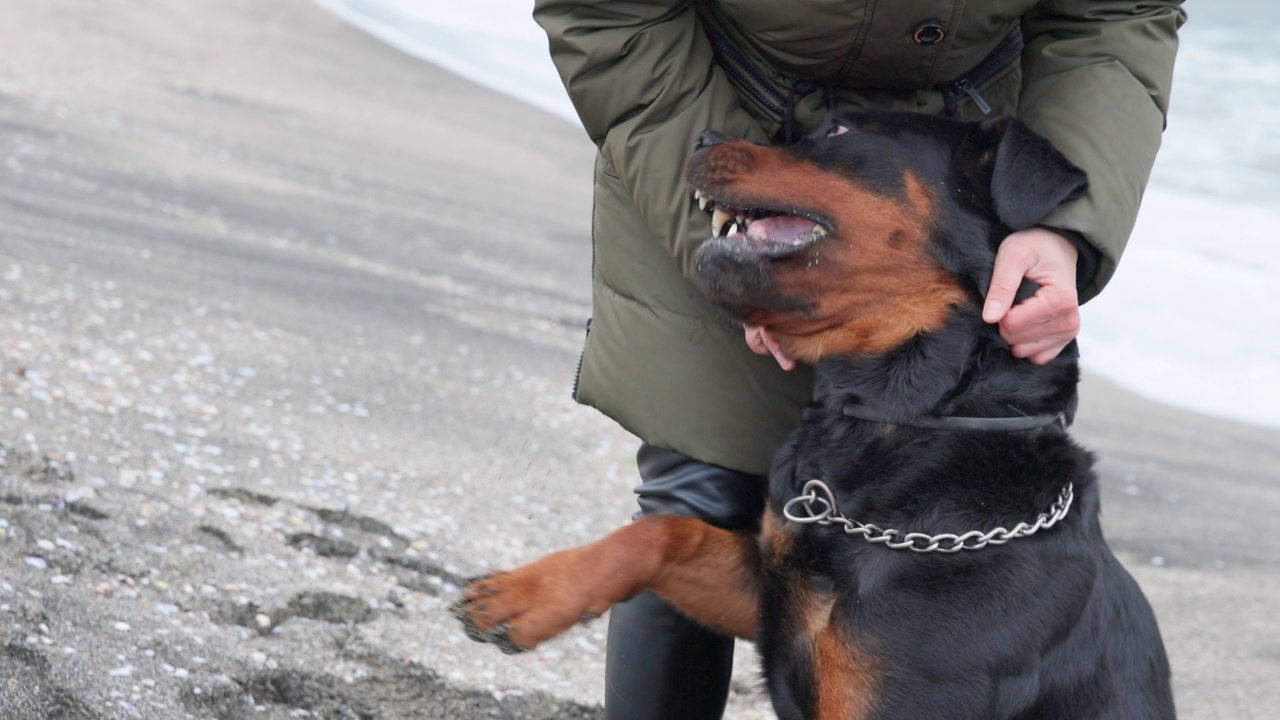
[288,323]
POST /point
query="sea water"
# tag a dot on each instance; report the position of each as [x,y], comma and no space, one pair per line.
[1192,317]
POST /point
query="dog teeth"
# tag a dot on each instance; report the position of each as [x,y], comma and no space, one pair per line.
[733,229]
[702,202]
[719,219]
[810,236]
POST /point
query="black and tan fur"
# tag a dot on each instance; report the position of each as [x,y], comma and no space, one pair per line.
[886,304]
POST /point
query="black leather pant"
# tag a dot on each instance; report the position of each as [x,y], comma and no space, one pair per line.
[660,665]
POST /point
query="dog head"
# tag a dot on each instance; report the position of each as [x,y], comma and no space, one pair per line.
[873,231]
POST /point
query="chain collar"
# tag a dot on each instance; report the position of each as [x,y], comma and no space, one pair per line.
[817,505]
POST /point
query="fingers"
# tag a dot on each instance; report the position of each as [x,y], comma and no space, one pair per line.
[784,361]
[1013,261]
[1047,319]
[1043,345]
[1041,326]
[1038,329]
[761,343]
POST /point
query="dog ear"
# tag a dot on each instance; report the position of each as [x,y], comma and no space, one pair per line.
[1029,177]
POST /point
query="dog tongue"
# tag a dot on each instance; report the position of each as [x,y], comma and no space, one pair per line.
[785,228]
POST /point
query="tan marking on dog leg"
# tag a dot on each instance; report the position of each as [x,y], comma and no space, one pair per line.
[712,575]
[706,572]
[845,677]
[775,537]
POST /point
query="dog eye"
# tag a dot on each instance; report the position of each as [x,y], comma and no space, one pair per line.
[837,130]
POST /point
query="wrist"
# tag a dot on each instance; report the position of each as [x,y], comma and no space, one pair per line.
[1088,257]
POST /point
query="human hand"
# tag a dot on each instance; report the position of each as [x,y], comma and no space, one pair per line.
[1040,326]
[761,343]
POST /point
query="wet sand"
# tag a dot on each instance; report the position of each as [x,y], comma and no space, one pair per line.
[288,323]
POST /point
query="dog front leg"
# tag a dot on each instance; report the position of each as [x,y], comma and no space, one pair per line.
[708,573]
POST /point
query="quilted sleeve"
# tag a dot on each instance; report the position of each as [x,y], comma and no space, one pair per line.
[643,80]
[1096,82]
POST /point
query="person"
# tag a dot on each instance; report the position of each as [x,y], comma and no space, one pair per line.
[647,76]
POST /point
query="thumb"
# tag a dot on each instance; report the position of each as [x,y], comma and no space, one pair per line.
[1012,264]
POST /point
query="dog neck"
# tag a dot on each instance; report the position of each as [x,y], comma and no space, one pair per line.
[885,470]
[962,369]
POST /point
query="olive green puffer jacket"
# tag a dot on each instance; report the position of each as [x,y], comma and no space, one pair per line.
[647,76]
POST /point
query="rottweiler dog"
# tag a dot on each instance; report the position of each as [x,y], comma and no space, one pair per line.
[931,545]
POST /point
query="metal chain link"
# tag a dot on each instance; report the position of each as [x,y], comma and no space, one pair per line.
[816,492]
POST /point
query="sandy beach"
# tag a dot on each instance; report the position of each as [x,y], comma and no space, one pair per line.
[288,326]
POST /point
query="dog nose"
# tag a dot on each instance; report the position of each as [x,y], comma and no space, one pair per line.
[707,139]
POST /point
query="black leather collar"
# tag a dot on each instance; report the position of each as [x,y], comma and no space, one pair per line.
[951,422]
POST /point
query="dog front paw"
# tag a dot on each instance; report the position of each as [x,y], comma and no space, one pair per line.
[519,609]
[513,611]
[477,627]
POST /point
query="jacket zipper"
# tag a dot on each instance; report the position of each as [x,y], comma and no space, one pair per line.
[966,87]
[991,66]
[744,74]
[577,375]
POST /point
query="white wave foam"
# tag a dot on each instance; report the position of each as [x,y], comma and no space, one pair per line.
[1192,315]
[494,43]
